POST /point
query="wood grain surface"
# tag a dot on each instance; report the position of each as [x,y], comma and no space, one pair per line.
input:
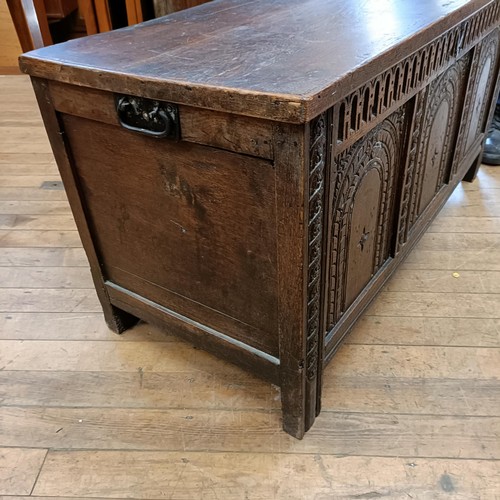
[226,475]
[19,469]
[230,54]
[410,403]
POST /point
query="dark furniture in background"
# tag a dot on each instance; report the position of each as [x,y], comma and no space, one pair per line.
[59,9]
[106,15]
[42,22]
[164,7]
[249,174]
[31,23]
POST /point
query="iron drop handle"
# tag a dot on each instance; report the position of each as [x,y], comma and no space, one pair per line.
[153,118]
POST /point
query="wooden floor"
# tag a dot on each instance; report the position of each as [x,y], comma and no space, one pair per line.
[411,404]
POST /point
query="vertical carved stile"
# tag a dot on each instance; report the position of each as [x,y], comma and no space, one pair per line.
[407,197]
[318,154]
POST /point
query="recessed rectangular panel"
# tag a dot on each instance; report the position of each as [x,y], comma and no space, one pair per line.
[188,226]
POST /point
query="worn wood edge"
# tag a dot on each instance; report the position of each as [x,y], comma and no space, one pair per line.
[288,108]
[258,362]
[274,107]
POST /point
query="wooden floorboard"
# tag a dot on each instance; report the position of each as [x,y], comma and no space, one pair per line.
[34,207]
[411,405]
[229,430]
[32,193]
[42,257]
[19,469]
[48,238]
[37,222]
[410,280]
[396,330]
[70,326]
[216,476]
[45,277]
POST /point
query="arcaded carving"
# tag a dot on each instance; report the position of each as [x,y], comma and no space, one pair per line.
[380,150]
[400,82]
[475,106]
[435,150]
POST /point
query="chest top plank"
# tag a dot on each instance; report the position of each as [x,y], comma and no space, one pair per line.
[270,59]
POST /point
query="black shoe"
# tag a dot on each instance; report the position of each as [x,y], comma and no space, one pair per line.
[491,153]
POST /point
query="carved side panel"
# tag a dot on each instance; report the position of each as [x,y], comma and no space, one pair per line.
[438,136]
[318,155]
[435,123]
[481,81]
[363,210]
[407,201]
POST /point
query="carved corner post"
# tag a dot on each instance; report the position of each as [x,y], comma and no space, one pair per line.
[319,154]
[116,319]
[300,186]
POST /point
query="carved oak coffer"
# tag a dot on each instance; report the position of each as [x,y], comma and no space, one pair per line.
[248,174]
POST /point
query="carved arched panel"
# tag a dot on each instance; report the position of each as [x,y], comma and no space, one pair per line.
[363,210]
[436,118]
[436,152]
[483,72]
[442,114]
[478,100]
[365,219]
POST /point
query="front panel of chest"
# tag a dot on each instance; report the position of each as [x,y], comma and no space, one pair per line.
[363,192]
[380,185]
[438,110]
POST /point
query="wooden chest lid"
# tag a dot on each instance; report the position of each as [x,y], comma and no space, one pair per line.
[285,60]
